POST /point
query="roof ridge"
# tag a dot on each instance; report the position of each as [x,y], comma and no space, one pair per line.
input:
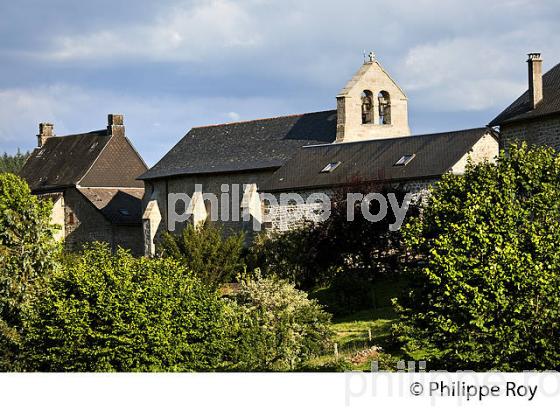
[334,144]
[261,119]
[81,134]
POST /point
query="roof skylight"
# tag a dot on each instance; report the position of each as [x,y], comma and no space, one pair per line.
[330,167]
[404,160]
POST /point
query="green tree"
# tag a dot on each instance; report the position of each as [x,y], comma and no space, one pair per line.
[114,312]
[275,326]
[27,252]
[485,283]
[13,163]
[206,252]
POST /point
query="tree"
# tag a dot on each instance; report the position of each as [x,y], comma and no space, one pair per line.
[27,252]
[114,312]
[315,254]
[206,252]
[275,326]
[485,280]
[13,163]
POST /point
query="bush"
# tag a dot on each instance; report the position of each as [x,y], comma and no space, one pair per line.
[27,252]
[275,326]
[107,312]
[484,291]
[206,252]
[347,294]
[316,253]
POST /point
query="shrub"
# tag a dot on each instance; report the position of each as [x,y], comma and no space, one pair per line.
[348,293]
[206,252]
[27,252]
[316,253]
[275,326]
[484,291]
[107,312]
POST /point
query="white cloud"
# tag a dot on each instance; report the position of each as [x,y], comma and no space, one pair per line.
[180,33]
[233,116]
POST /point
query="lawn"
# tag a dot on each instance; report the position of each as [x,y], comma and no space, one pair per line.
[352,333]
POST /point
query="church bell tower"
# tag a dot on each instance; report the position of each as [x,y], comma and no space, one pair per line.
[371,106]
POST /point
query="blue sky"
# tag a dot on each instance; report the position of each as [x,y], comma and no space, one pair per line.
[171,65]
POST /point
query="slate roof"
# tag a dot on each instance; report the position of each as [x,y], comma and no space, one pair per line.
[63,161]
[242,146]
[121,206]
[520,109]
[373,160]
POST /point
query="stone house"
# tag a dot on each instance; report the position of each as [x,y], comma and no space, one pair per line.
[408,164]
[91,180]
[534,117]
[367,135]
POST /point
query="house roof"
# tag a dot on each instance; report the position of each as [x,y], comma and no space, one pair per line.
[520,109]
[242,146]
[63,161]
[121,206]
[374,160]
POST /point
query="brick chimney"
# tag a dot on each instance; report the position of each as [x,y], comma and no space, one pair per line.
[45,132]
[535,79]
[115,125]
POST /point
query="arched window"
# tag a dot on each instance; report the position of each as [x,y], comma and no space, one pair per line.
[367,107]
[384,107]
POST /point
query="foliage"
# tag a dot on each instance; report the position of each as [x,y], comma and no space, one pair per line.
[350,293]
[206,252]
[13,163]
[276,326]
[318,254]
[27,252]
[106,312]
[485,276]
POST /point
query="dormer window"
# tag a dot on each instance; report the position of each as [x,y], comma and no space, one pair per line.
[330,167]
[367,107]
[404,160]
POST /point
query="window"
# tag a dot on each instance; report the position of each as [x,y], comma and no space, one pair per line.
[330,167]
[384,107]
[367,107]
[404,160]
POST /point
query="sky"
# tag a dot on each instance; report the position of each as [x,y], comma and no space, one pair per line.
[171,65]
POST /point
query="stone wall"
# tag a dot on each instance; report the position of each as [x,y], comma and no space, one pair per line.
[129,237]
[540,131]
[211,183]
[282,217]
[83,222]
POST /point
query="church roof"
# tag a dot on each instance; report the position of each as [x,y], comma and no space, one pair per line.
[521,109]
[63,161]
[242,146]
[374,160]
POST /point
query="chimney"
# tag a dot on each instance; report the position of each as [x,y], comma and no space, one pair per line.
[115,125]
[535,79]
[45,132]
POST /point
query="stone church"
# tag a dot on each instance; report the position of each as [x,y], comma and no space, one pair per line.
[367,136]
[91,179]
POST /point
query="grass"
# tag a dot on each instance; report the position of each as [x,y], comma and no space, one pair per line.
[351,331]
